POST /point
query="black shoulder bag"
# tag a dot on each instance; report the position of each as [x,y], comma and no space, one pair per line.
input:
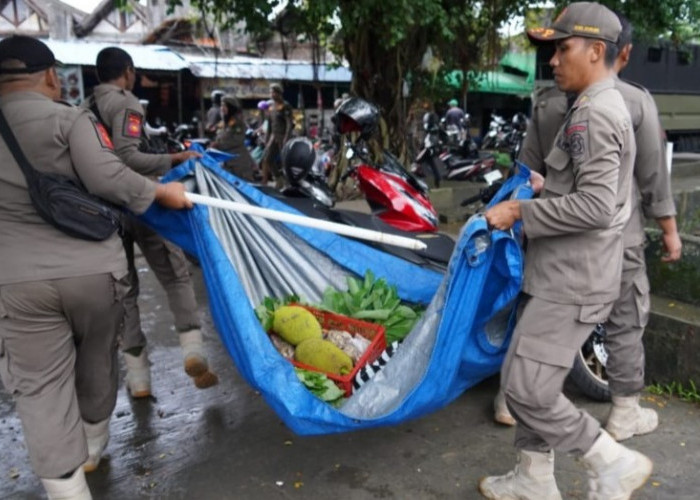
[63,202]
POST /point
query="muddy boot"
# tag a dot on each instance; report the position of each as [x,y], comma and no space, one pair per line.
[628,419]
[614,471]
[97,438]
[72,488]
[138,374]
[196,365]
[532,479]
[501,414]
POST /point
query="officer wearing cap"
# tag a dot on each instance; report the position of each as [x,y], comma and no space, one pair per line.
[281,126]
[652,198]
[573,266]
[121,113]
[61,297]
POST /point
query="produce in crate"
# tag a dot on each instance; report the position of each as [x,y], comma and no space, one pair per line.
[324,355]
[295,324]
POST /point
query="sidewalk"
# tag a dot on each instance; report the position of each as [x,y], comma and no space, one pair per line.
[227,443]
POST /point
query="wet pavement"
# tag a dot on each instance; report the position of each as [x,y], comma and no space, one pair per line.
[227,443]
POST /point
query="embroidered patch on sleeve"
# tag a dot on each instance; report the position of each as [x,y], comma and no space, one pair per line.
[103,135]
[132,124]
[576,138]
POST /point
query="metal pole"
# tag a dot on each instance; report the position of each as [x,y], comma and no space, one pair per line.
[355,232]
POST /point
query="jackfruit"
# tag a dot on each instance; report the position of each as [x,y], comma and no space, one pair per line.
[323,355]
[295,324]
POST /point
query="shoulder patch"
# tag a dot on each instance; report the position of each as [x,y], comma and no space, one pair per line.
[102,135]
[132,124]
[576,139]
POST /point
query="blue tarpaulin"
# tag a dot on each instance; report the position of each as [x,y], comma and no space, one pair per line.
[460,340]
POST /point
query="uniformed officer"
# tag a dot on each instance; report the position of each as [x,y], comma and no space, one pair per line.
[573,266]
[121,113]
[231,139]
[652,198]
[281,126]
[61,297]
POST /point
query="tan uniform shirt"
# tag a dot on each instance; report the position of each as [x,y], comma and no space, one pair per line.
[63,139]
[548,111]
[652,182]
[122,112]
[652,186]
[574,253]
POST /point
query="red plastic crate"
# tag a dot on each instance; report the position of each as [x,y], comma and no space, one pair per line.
[371,331]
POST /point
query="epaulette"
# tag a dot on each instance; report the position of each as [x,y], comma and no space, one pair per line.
[637,85]
[65,103]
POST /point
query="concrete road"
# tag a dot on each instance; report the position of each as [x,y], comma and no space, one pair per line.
[226,442]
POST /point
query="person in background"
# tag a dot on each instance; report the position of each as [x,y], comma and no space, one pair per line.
[119,110]
[231,139]
[652,198]
[281,126]
[213,118]
[61,298]
[454,114]
[573,267]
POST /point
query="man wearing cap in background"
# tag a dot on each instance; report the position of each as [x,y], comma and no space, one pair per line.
[61,297]
[573,266]
[281,126]
[652,197]
[454,114]
[121,113]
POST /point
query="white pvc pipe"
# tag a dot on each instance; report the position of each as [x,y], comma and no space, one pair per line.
[355,232]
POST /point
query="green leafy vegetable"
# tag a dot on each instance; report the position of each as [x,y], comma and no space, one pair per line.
[266,310]
[373,300]
[321,386]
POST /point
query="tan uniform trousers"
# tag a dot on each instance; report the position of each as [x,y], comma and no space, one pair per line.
[171,268]
[545,342]
[625,327]
[58,358]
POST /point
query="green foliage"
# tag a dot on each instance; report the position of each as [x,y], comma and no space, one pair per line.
[689,394]
[321,386]
[374,301]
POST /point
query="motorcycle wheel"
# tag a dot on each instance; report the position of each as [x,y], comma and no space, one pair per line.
[588,373]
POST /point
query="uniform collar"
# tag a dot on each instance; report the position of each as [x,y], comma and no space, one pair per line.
[594,89]
[103,88]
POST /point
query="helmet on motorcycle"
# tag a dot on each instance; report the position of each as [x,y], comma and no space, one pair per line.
[232,103]
[430,120]
[519,121]
[216,96]
[298,157]
[357,115]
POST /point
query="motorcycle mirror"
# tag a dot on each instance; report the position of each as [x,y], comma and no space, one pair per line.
[349,153]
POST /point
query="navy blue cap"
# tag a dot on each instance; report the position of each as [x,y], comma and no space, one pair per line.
[35,54]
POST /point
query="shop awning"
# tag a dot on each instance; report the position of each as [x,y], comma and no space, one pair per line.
[146,57]
[515,75]
[264,69]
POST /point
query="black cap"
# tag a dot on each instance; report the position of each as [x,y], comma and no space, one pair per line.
[34,53]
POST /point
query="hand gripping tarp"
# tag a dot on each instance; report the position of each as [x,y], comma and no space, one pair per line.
[461,339]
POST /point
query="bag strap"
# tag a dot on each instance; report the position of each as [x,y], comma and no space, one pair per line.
[16,150]
[96,112]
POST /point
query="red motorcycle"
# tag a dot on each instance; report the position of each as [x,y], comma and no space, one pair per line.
[395,195]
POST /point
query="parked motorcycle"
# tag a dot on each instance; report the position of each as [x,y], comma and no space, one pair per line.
[308,193]
[395,195]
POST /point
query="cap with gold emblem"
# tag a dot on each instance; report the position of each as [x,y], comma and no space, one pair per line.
[586,19]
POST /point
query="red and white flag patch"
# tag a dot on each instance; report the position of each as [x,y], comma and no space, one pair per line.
[132,124]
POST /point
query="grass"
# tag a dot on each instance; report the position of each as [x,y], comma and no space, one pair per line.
[689,394]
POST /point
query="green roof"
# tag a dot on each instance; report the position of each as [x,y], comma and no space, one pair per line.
[516,75]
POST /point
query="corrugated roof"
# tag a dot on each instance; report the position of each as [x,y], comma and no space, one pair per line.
[150,57]
[266,69]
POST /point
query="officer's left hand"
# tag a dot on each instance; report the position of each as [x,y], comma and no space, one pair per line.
[503,215]
[672,246]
